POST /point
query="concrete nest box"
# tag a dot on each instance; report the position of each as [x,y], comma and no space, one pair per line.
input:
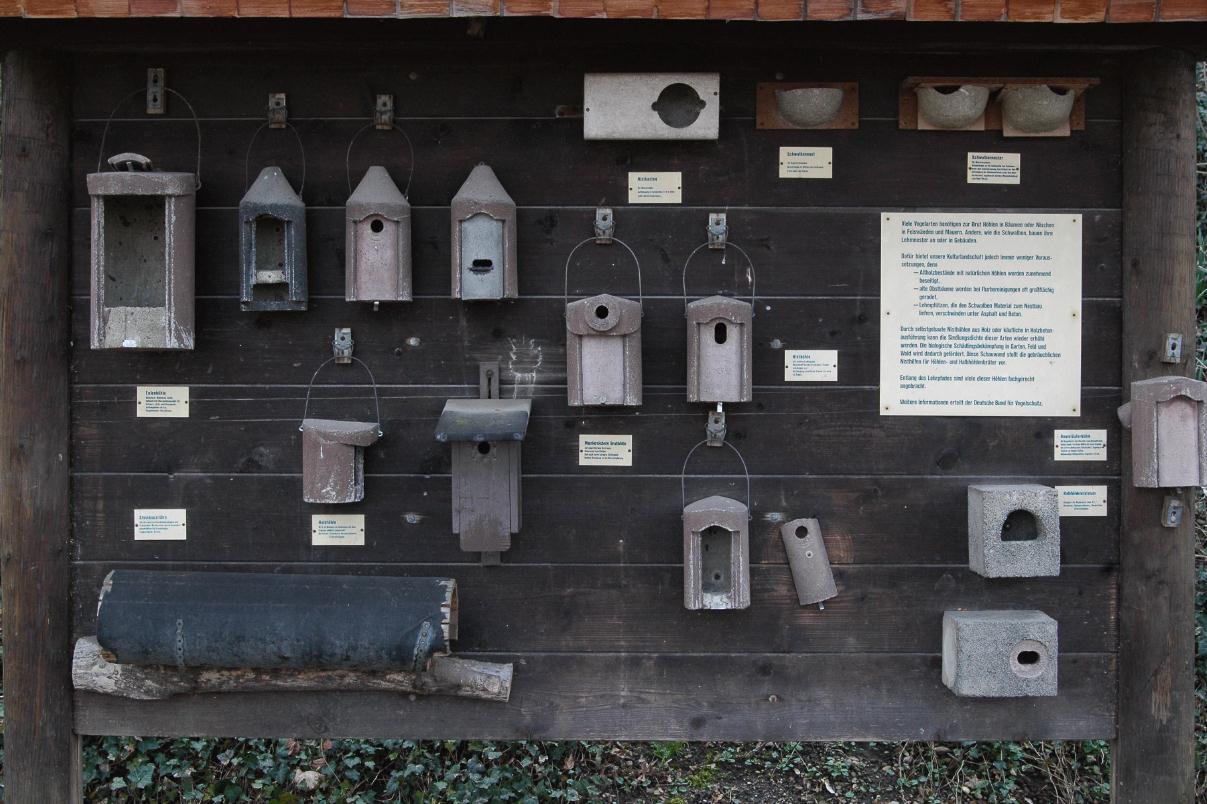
[952,107]
[809,107]
[1013,531]
[1036,108]
[999,654]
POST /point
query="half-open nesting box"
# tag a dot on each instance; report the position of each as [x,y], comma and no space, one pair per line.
[142,256]
[333,459]
[1018,107]
[716,554]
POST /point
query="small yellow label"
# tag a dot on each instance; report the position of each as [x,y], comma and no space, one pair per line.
[995,168]
[806,163]
[162,402]
[605,450]
[656,188]
[328,530]
[160,524]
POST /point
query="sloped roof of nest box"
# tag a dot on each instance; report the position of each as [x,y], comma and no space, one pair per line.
[484,420]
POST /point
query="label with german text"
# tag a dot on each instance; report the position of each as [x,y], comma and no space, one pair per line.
[327,530]
[806,163]
[162,402]
[605,450]
[160,524]
[1081,500]
[995,168]
[1079,445]
[811,365]
[656,188]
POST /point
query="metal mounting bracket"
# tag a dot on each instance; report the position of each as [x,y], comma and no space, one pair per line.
[1171,512]
[718,230]
[715,431]
[278,111]
[605,225]
[383,112]
[488,379]
[157,90]
[1171,351]
[342,344]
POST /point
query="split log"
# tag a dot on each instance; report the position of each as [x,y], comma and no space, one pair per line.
[445,675]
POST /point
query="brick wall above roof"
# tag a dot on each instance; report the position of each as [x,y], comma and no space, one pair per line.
[920,10]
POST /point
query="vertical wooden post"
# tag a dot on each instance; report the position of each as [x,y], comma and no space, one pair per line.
[41,751]
[1153,758]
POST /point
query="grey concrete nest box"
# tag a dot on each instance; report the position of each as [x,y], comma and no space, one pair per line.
[1013,531]
[486,435]
[719,350]
[333,459]
[716,554]
[272,245]
[377,226]
[603,351]
[808,560]
[484,261]
[954,107]
[999,654]
[142,256]
[1036,108]
[1168,421]
[809,107]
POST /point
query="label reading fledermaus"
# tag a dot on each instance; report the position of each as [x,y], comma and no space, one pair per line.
[605,450]
[1079,445]
[160,524]
[328,530]
[1081,500]
[656,188]
[162,402]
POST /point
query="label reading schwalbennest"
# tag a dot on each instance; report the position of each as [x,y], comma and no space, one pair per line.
[656,188]
[160,524]
[1081,500]
[806,163]
[162,402]
[337,529]
[1079,445]
[995,168]
[605,450]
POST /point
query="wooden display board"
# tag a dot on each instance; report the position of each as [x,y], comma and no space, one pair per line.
[588,601]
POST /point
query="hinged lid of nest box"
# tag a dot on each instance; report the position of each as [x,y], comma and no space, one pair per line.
[484,420]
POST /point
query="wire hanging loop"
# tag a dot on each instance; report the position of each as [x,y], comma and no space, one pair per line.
[570,256]
[100,156]
[406,192]
[372,383]
[683,474]
[728,244]
[250,145]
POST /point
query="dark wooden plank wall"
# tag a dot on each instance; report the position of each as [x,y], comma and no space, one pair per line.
[589,600]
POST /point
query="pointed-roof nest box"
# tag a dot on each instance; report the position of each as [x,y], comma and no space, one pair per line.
[378,235]
[716,554]
[272,244]
[142,256]
[484,239]
[603,351]
[485,435]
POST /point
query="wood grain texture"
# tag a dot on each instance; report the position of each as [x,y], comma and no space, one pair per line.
[645,697]
[41,752]
[1153,758]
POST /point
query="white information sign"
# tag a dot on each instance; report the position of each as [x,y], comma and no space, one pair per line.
[806,163]
[337,530]
[656,188]
[980,314]
[605,450]
[811,365]
[1079,445]
[1081,500]
[160,524]
[162,401]
[995,168]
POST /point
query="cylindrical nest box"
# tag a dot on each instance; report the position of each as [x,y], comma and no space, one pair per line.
[270,620]
[806,549]
[484,239]
[378,236]
[719,350]
[272,245]
[142,256]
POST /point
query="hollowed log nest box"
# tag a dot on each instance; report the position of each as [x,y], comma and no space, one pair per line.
[485,435]
[1168,420]
[378,237]
[484,239]
[333,459]
[719,350]
[272,245]
[716,554]
[275,620]
[142,256]
[603,351]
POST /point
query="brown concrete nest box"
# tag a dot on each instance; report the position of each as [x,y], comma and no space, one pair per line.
[603,351]
[484,262]
[719,350]
[333,459]
[142,256]
[272,245]
[808,560]
[486,435]
[377,220]
[716,554]
[1168,420]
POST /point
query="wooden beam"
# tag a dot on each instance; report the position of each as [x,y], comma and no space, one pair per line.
[1154,748]
[41,751]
